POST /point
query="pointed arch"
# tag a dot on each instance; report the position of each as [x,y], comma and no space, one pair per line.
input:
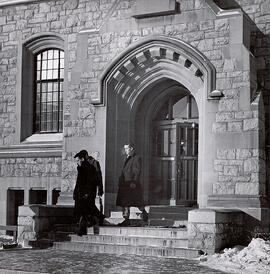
[152,56]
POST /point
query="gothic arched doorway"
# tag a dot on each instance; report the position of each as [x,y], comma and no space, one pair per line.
[150,76]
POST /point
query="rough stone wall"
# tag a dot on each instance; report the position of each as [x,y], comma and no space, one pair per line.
[31,167]
[212,231]
[117,30]
[238,171]
[259,13]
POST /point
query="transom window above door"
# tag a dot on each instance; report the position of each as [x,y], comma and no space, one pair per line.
[178,107]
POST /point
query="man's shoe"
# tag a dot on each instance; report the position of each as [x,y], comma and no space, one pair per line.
[101,221]
[126,222]
[144,216]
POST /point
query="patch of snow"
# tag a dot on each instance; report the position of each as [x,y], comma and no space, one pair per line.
[6,237]
[255,258]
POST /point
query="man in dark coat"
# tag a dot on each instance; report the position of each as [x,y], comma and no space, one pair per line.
[89,179]
[129,187]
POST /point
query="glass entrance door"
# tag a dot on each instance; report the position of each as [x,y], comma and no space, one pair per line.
[174,164]
[187,163]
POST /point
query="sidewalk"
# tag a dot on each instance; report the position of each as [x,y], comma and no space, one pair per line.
[53,261]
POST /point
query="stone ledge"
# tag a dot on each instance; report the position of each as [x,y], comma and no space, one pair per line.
[237,201]
[39,149]
[210,216]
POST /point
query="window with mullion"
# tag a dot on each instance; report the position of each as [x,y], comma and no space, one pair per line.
[49,91]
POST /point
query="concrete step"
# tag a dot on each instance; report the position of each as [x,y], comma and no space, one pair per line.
[59,235]
[133,222]
[118,215]
[179,233]
[130,240]
[170,209]
[128,249]
[65,227]
[167,223]
[168,215]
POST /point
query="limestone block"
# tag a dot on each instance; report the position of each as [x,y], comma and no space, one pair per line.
[198,4]
[8,28]
[206,44]
[206,228]
[218,167]
[243,153]
[251,165]
[231,170]
[238,163]
[235,126]
[246,178]
[221,24]
[228,105]
[251,124]
[247,188]
[230,64]
[44,8]
[255,177]
[243,114]
[219,127]
[206,25]
[226,154]
[221,41]
[53,16]
[207,216]
[3,20]
[71,4]
[224,187]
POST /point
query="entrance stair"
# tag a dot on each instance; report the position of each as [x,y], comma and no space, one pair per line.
[146,241]
[139,238]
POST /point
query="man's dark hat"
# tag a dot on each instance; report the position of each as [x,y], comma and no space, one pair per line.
[81,154]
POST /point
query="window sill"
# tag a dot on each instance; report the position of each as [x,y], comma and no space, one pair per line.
[44,138]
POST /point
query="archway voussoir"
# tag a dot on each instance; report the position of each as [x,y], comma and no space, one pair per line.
[141,57]
[155,52]
[129,65]
[181,59]
[169,54]
[118,76]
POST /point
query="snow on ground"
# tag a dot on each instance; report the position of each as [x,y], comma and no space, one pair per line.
[255,258]
[5,239]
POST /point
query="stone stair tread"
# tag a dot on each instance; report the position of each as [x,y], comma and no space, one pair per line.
[131,240]
[179,252]
[128,236]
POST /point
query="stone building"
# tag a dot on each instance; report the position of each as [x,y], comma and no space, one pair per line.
[187,81]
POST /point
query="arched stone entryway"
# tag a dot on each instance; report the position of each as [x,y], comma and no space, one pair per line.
[147,72]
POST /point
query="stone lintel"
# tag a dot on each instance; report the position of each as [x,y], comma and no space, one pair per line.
[210,216]
[150,8]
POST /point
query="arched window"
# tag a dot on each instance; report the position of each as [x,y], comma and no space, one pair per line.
[41,98]
[49,91]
